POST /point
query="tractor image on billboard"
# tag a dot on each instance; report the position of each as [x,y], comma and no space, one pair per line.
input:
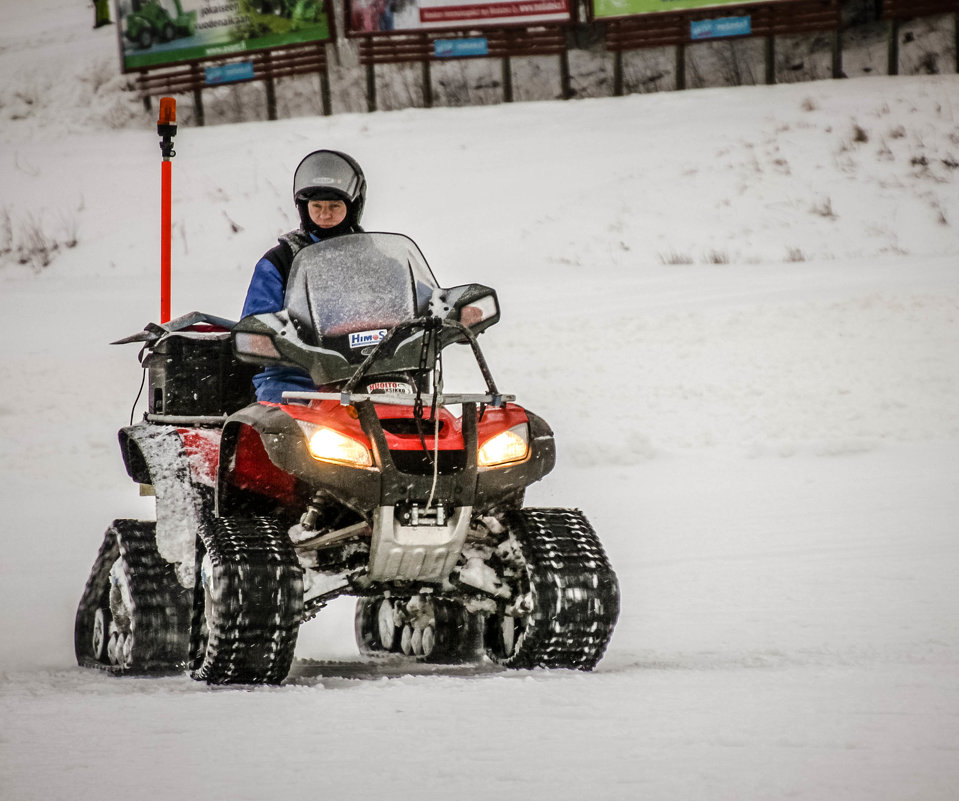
[150,21]
[303,11]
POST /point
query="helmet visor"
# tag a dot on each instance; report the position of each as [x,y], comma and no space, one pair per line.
[327,173]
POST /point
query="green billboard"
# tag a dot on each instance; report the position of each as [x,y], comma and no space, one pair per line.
[156,33]
[626,8]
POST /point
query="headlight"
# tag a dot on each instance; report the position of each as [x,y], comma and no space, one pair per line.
[507,446]
[327,445]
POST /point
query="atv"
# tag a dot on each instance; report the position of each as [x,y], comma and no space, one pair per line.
[379,485]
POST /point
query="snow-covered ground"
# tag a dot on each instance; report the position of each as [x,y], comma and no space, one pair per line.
[738,308]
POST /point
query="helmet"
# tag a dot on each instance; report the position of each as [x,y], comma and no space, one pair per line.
[329,175]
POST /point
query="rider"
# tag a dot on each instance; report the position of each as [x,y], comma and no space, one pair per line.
[329,190]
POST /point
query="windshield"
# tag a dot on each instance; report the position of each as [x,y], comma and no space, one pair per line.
[358,282]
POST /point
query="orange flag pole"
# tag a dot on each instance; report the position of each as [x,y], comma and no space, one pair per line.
[166,129]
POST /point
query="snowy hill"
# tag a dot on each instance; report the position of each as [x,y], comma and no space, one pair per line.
[738,309]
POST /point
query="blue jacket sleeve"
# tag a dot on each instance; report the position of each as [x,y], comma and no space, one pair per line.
[266,295]
[266,289]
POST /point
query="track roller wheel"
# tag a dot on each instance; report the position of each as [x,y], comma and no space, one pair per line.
[375,626]
[434,630]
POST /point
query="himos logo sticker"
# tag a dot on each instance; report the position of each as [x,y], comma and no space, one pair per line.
[362,339]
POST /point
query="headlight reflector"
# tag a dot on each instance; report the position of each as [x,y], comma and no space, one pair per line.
[508,446]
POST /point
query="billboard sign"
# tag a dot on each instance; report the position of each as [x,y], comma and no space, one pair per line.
[379,16]
[627,8]
[461,48]
[230,73]
[718,28]
[156,33]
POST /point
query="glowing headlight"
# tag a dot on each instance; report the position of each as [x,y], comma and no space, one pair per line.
[507,446]
[327,445]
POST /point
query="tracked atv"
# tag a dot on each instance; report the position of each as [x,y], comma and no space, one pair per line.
[371,486]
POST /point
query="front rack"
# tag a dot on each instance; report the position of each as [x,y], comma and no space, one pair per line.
[394,399]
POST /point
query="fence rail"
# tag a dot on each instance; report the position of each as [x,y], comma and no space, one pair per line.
[910,9]
[500,43]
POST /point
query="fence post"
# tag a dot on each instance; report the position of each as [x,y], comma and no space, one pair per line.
[270,86]
[837,54]
[198,80]
[770,60]
[147,105]
[892,68]
[270,98]
[564,77]
[427,84]
[507,80]
[198,107]
[325,93]
[681,66]
[324,79]
[370,87]
[618,73]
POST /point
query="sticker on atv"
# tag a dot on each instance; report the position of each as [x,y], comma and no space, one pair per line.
[362,339]
[399,387]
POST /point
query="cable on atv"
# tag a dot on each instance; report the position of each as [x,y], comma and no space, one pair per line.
[429,335]
[143,381]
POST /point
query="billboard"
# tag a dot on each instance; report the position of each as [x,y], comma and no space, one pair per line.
[625,8]
[378,16]
[156,33]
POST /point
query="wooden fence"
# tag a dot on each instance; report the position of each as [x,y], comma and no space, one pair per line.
[663,29]
[767,20]
[264,65]
[501,43]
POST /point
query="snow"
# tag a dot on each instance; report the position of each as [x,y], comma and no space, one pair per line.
[738,309]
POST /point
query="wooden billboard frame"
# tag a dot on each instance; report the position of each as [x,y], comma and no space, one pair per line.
[265,64]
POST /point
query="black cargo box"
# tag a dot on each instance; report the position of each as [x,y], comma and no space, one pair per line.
[193,373]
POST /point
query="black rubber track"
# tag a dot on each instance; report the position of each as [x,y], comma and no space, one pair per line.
[159,620]
[459,634]
[574,592]
[255,605]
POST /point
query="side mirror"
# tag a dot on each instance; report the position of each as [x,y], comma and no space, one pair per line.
[253,342]
[473,305]
[481,310]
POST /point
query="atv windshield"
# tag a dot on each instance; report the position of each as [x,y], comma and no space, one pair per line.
[358,282]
